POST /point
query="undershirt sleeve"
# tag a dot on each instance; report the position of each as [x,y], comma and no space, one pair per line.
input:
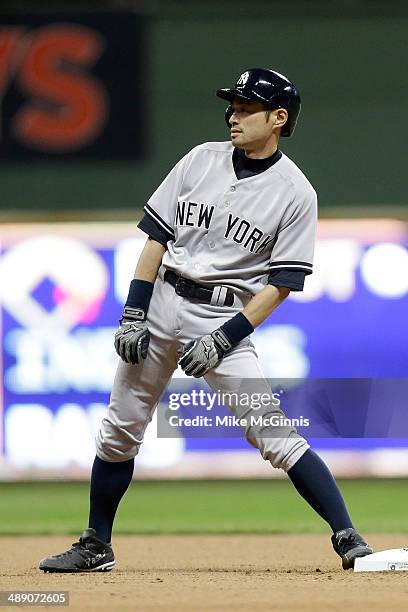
[149,226]
[292,279]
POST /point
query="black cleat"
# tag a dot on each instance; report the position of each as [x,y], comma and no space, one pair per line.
[87,555]
[349,545]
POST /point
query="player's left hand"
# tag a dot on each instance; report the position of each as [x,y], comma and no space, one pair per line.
[204,353]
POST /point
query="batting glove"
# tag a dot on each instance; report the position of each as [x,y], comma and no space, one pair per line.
[204,353]
[133,337]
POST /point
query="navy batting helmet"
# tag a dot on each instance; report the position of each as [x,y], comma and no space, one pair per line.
[269,87]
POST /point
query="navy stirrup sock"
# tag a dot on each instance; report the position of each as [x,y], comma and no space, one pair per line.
[315,483]
[109,482]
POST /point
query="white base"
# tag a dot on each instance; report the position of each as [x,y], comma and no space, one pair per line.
[394,560]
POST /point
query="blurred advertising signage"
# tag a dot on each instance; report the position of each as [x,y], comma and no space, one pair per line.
[72,86]
[62,291]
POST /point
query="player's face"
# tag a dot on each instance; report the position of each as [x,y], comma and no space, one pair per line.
[251,125]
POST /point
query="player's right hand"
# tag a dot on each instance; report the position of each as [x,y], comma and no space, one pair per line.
[132,341]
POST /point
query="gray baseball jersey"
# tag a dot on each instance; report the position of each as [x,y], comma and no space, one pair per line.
[225,231]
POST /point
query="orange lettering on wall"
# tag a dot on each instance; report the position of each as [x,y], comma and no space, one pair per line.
[68,108]
[9,41]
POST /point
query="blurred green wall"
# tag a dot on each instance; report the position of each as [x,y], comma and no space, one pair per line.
[349,60]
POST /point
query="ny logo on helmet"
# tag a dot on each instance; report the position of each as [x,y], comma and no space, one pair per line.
[242,79]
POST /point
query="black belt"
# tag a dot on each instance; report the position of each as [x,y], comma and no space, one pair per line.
[212,294]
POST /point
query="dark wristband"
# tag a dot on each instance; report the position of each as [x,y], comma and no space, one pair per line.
[237,328]
[140,293]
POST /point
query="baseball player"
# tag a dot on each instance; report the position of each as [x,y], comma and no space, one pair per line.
[231,232]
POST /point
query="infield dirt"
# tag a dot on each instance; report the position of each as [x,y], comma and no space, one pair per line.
[210,572]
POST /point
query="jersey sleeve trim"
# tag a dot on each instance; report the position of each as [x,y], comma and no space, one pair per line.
[156,217]
[292,265]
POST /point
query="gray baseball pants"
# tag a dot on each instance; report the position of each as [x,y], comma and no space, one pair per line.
[137,389]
